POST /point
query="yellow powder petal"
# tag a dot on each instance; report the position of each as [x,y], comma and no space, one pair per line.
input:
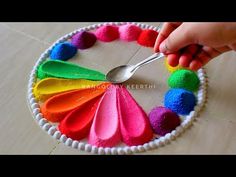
[48,87]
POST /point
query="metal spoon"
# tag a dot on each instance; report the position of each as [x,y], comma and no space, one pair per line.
[124,72]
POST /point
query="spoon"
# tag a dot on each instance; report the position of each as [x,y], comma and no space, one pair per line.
[124,72]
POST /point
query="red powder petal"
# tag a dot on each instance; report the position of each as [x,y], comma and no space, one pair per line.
[77,123]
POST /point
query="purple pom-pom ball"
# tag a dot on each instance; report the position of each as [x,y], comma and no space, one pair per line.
[84,40]
[163,120]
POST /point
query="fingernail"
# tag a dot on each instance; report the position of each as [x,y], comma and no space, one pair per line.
[162,47]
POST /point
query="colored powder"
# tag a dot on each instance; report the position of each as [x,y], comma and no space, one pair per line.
[134,124]
[67,70]
[58,106]
[185,79]
[163,120]
[63,51]
[147,38]
[180,101]
[105,130]
[83,40]
[170,68]
[77,123]
[48,87]
[107,33]
[129,32]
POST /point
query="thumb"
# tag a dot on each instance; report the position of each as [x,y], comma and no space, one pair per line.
[179,38]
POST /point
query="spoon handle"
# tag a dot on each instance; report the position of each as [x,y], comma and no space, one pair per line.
[150,59]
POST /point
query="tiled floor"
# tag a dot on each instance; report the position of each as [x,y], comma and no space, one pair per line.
[214,132]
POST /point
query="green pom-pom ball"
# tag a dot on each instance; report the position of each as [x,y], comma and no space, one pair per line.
[185,79]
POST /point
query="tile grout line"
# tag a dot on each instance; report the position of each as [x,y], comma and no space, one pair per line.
[30,36]
[25,34]
[54,147]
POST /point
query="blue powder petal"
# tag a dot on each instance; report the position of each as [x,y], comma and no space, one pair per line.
[180,101]
[63,51]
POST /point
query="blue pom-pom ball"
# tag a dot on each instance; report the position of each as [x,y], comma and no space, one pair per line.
[180,101]
[63,51]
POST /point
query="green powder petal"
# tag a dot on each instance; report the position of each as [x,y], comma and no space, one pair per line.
[67,70]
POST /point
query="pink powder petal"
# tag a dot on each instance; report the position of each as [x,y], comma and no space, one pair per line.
[129,32]
[107,33]
[105,127]
[134,124]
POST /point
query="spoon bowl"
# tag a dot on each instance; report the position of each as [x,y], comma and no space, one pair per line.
[120,74]
[124,72]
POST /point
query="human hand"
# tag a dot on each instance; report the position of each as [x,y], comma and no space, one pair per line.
[192,45]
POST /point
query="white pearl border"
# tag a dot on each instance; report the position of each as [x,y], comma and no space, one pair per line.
[156,143]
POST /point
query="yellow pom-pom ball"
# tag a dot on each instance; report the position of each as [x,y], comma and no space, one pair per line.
[170,68]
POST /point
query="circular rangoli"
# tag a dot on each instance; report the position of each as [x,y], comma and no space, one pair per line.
[77,106]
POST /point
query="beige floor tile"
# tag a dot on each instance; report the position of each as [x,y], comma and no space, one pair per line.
[19,133]
[47,32]
[222,83]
